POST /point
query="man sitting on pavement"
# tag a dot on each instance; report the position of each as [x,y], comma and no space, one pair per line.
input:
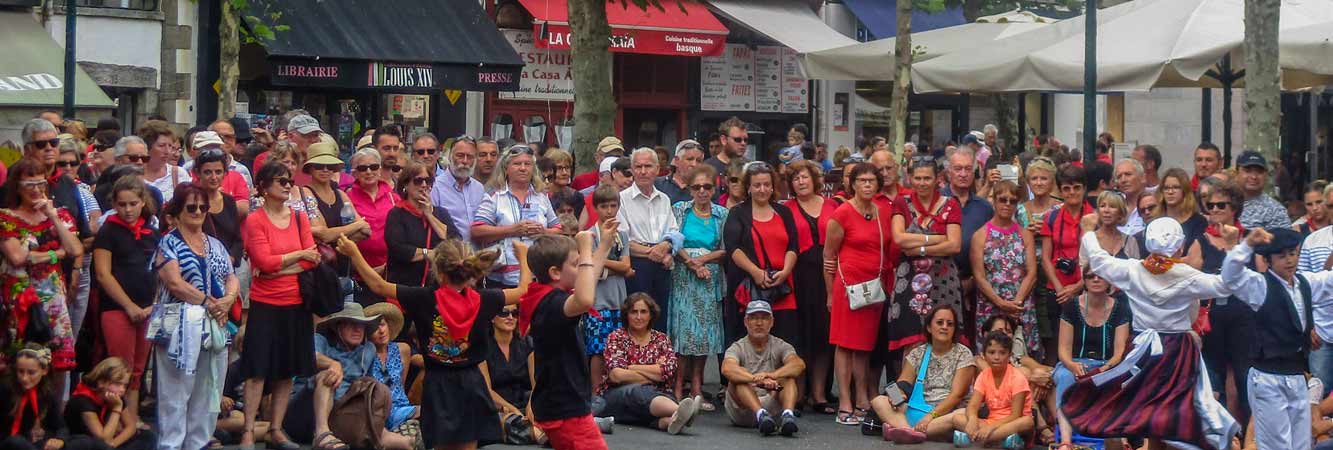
[762,371]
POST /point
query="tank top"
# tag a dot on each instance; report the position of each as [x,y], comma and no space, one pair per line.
[225,225]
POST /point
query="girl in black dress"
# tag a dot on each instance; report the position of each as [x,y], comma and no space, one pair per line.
[452,321]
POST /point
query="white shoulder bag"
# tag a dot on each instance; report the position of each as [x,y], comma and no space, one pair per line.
[871,292]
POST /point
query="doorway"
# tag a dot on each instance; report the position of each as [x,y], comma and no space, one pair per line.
[651,127]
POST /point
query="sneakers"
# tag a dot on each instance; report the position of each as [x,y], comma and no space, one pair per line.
[788,426]
[605,424]
[766,423]
[699,405]
[903,435]
[961,439]
[1014,442]
[684,414]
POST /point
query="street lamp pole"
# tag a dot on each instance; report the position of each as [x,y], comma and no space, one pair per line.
[1090,84]
[71,12]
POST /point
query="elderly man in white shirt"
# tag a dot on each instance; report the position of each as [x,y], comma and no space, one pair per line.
[645,214]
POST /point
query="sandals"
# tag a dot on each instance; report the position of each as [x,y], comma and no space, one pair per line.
[323,441]
[284,444]
[846,418]
[825,408]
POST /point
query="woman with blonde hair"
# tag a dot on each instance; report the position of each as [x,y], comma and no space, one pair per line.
[516,210]
[1111,212]
[95,408]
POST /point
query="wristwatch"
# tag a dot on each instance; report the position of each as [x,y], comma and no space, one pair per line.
[923,250]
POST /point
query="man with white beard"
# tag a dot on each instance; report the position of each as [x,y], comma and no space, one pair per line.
[455,190]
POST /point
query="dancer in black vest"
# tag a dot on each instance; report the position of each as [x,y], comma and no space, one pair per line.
[1284,300]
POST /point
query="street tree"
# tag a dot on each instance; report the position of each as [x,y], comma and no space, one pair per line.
[239,23]
[902,79]
[1262,77]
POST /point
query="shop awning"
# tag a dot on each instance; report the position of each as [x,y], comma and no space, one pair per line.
[881,17]
[790,22]
[33,72]
[403,46]
[678,29]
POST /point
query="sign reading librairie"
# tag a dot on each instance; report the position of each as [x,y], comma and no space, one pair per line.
[762,79]
[547,74]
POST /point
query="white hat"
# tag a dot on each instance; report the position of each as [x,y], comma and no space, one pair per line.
[1164,236]
[303,124]
[205,138]
[606,164]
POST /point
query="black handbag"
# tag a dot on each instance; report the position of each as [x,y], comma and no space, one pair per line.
[38,330]
[319,286]
[773,293]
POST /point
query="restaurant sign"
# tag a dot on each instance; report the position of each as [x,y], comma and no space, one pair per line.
[643,41]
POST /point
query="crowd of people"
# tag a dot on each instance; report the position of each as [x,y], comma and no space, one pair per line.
[234,285]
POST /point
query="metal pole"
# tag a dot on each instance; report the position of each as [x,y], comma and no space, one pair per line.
[71,12]
[1206,116]
[1090,84]
[1226,124]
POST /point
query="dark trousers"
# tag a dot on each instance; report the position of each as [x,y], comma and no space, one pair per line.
[655,280]
[1228,345]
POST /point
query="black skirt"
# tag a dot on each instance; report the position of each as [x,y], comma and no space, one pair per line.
[812,303]
[456,408]
[279,343]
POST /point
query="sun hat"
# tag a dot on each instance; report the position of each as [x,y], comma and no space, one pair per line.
[322,153]
[389,313]
[350,311]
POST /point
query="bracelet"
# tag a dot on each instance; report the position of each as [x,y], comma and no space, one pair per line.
[933,414]
[52,254]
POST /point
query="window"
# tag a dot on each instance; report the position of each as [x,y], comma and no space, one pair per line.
[141,5]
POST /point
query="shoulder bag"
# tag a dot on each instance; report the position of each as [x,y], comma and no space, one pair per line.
[358,418]
[757,293]
[861,295]
[319,286]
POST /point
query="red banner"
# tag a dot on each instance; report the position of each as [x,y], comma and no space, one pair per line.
[652,42]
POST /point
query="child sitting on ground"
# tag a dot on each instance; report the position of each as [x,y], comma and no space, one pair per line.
[1006,395]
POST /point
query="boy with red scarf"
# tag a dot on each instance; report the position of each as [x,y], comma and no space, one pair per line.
[551,313]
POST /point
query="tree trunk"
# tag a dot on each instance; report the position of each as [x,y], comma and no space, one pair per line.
[229,69]
[902,78]
[1262,92]
[594,103]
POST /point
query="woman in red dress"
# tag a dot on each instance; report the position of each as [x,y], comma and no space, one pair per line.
[760,240]
[855,251]
[812,212]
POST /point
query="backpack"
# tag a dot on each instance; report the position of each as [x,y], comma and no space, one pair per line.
[358,418]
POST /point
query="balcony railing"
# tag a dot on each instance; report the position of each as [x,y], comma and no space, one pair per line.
[138,5]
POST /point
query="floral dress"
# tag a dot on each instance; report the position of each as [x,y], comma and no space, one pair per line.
[922,282]
[40,284]
[695,320]
[390,373]
[1003,258]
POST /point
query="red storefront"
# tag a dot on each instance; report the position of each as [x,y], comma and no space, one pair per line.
[655,69]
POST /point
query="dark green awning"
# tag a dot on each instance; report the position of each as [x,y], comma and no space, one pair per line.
[33,72]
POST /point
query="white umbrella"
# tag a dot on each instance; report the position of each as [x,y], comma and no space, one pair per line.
[1015,16]
[875,60]
[1141,45]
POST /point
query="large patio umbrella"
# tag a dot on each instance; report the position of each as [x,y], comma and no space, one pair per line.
[1140,45]
[874,60]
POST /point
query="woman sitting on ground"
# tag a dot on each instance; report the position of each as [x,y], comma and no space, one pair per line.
[391,363]
[510,376]
[641,366]
[939,374]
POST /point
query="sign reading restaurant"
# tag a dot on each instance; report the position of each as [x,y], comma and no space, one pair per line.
[395,77]
[630,40]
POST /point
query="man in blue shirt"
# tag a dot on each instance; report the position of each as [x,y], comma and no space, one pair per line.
[962,166]
[455,190]
[343,354]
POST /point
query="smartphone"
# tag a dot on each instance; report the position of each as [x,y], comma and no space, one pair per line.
[896,395]
[1008,172]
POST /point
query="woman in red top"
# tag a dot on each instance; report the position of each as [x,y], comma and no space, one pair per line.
[856,251]
[927,226]
[278,345]
[812,213]
[1059,254]
[760,240]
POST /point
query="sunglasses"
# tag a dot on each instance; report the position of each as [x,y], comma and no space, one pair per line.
[734,179]
[137,158]
[196,208]
[368,168]
[426,151]
[50,143]
[211,153]
[1217,205]
[506,313]
[519,149]
[69,164]
[466,138]
[626,173]
[1010,201]
[423,181]
[326,167]
[284,182]
[701,187]
[395,168]
[740,140]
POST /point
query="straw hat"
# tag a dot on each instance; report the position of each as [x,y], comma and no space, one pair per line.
[350,311]
[389,313]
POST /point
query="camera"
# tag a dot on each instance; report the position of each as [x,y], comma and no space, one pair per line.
[1066,265]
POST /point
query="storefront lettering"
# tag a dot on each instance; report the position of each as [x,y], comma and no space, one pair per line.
[414,76]
[31,82]
[298,71]
[494,77]
[562,40]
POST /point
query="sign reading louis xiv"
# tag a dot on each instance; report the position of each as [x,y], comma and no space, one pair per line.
[395,77]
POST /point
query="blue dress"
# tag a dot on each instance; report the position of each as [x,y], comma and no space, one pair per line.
[390,373]
[695,321]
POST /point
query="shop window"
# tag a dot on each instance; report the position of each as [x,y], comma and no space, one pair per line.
[140,5]
[412,112]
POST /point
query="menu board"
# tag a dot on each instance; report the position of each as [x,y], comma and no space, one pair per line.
[762,79]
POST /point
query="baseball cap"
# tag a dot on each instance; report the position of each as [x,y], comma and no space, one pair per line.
[205,138]
[364,142]
[303,124]
[242,128]
[606,164]
[1251,158]
[610,144]
[970,139]
[758,306]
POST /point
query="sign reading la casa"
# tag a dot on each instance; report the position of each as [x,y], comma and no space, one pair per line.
[653,42]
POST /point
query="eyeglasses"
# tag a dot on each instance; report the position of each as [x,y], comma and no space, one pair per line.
[67,164]
[326,167]
[211,153]
[518,149]
[284,182]
[734,180]
[507,313]
[426,151]
[423,181]
[701,187]
[33,185]
[563,168]
[368,168]
[395,168]
[227,137]
[740,140]
[1217,205]
[1073,188]
[196,208]
[50,143]
[137,158]
[1010,201]
[626,173]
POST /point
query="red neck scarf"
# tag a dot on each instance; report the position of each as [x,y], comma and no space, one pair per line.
[84,390]
[54,178]
[457,310]
[412,209]
[927,211]
[137,228]
[27,400]
[528,304]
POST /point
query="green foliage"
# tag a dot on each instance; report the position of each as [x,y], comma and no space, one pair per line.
[258,26]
